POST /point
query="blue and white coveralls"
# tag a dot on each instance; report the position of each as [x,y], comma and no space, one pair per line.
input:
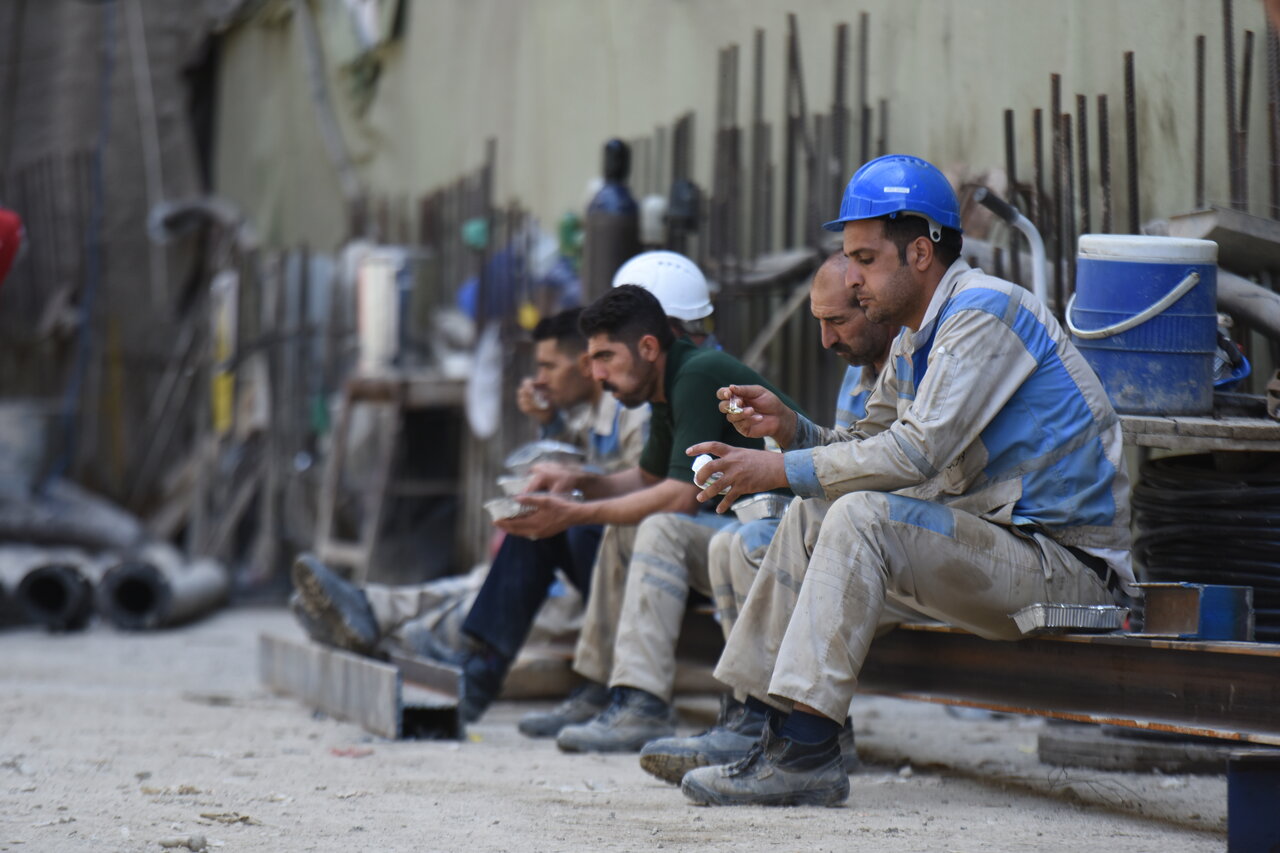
[987,470]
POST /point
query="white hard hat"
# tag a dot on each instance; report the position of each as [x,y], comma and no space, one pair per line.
[674,279]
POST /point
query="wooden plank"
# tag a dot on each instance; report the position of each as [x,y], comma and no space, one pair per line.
[343,685]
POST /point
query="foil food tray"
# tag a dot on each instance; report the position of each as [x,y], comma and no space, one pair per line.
[1069,618]
[763,505]
[510,507]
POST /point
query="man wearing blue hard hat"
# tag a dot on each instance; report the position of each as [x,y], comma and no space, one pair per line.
[985,477]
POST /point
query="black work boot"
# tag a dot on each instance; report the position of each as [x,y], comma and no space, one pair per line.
[736,730]
[777,772]
[634,717]
[483,668]
[584,703]
[338,614]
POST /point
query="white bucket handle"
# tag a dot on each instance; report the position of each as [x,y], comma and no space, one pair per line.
[1183,288]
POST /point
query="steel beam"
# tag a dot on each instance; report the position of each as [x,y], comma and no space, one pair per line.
[1210,689]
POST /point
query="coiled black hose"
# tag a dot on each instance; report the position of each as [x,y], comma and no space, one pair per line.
[1213,518]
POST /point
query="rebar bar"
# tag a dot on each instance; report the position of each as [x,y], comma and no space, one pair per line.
[1104,163]
[1131,141]
[1011,172]
[1199,167]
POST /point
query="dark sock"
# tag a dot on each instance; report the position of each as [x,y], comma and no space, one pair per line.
[809,728]
[755,706]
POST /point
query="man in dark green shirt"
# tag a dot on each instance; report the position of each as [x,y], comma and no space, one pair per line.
[655,546]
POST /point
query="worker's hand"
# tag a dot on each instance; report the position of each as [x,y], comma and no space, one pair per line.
[554,477]
[745,472]
[757,412]
[533,402]
[551,515]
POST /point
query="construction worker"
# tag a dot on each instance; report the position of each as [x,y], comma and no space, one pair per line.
[986,476]
[736,551]
[636,356]
[569,405]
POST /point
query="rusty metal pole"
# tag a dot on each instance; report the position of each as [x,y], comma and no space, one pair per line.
[1011,171]
[1273,118]
[1055,207]
[864,62]
[1229,73]
[1082,135]
[1199,179]
[1037,144]
[1131,141]
[1068,216]
[790,159]
[1242,133]
[1104,163]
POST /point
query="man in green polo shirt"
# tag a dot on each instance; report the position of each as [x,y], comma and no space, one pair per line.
[637,358]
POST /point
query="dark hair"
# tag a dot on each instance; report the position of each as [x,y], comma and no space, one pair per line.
[904,230]
[627,313]
[563,329]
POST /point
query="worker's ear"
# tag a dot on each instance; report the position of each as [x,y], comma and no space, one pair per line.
[584,363]
[649,348]
[922,258]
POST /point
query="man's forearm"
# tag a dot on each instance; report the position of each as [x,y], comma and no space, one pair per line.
[664,496]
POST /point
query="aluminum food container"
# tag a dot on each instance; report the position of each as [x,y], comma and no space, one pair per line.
[763,505]
[523,458]
[510,507]
[513,484]
[1069,618]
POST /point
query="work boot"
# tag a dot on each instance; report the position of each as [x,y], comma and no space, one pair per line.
[848,749]
[584,703]
[736,730]
[634,717]
[777,772]
[337,610]
[483,668]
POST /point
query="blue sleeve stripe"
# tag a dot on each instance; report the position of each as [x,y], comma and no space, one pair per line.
[801,476]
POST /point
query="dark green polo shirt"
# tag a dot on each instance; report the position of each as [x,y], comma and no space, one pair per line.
[692,412]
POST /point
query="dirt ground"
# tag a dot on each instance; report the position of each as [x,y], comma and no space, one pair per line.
[112,741]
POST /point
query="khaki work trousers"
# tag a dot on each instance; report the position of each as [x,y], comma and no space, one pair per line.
[834,568]
[639,588]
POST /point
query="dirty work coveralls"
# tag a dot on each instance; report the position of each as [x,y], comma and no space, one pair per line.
[736,551]
[989,450]
[516,585]
[654,565]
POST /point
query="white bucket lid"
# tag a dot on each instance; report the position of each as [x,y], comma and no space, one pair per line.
[1143,247]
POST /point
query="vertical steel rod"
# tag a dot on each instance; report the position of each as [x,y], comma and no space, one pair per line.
[1068,215]
[1131,141]
[864,62]
[1273,116]
[1082,135]
[1054,208]
[1037,196]
[1229,73]
[882,144]
[1242,133]
[1199,189]
[1011,172]
[1104,163]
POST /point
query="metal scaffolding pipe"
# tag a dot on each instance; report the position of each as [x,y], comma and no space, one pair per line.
[155,588]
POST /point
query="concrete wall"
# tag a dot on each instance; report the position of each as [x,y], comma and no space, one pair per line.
[552,79]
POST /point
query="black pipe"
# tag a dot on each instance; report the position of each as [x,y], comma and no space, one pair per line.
[57,596]
[1037,145]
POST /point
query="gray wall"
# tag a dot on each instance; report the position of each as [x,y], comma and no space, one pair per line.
[552,79]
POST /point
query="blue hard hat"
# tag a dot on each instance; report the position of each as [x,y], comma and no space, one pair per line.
[897,183]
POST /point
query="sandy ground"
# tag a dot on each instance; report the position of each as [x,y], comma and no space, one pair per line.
[111,741]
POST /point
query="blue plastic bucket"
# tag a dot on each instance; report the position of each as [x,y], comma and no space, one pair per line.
[1144,316]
